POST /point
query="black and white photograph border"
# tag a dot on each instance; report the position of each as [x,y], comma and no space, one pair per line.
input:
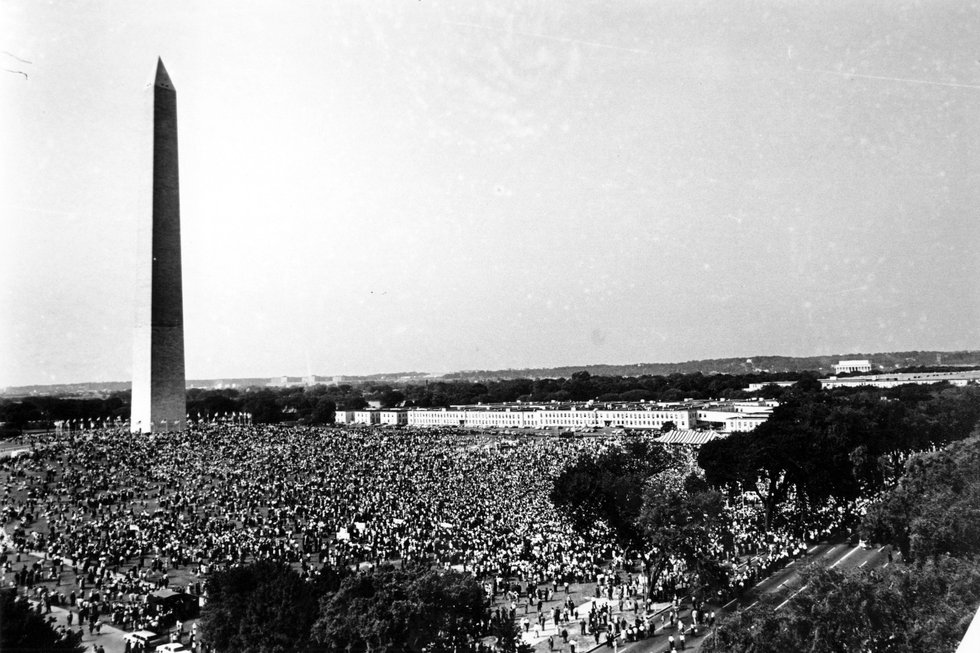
[489,326]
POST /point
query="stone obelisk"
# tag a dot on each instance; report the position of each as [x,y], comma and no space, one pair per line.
[159,391]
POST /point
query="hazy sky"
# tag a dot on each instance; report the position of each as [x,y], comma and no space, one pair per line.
[435,186]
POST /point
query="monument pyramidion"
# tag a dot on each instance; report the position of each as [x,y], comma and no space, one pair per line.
[159,401]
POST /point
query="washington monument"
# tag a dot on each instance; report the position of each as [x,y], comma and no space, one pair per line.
[159,391]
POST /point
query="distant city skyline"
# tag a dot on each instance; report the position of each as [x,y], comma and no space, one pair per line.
[482,185]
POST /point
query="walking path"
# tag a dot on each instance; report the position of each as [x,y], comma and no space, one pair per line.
[110,638]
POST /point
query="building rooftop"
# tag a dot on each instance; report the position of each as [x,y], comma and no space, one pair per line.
[695,438]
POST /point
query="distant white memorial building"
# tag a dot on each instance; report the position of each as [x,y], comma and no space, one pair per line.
[844,367]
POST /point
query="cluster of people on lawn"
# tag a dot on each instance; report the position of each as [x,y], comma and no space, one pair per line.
[92,591]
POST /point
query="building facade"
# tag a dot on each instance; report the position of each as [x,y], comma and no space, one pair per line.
[719,416]
[963,378]
[846,367]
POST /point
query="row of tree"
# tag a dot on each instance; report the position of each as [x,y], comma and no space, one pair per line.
[317,404]
[838,445]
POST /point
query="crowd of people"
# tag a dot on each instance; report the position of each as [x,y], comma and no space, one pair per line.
[123,516]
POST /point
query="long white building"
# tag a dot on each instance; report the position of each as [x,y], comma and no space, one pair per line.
[721,416]
[963,378]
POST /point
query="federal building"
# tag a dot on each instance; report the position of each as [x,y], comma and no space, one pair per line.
[722,416]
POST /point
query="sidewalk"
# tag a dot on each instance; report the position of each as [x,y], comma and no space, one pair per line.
[109,637]
[583,597]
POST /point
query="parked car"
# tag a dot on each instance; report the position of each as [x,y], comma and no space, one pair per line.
[172,647]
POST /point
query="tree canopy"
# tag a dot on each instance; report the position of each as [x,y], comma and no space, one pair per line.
[837,445]
[608,488]
[264,607]
[894,610]
[401,609]
[680,515]
[268,607]
[933,514]
[23,630]
[935,509]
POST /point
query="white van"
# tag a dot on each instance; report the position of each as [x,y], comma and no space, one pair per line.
[173,647]
[141,637]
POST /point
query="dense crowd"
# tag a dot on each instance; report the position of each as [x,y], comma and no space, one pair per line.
[130,510]
[125,516]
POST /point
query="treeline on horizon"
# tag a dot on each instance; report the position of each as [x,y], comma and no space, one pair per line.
[317,404]
[895,361]
[888,361]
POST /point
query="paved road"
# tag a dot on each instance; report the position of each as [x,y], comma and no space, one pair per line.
[111,639]
[782,585]
[786,583]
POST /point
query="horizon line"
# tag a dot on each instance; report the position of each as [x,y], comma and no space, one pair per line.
[7,388]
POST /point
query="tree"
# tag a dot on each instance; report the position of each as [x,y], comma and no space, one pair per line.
[22,629]
[639,394]
[264,607]
[580,387]
[934,516]
[680,520]
[15,415]
[508,635]
[767,461]
[609,487]
[391,398]
[894,610]
[401,609]
[820,447]
[263,405]
[668,427]
[808,383]
[935,509]
[355,402]
[324,411]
